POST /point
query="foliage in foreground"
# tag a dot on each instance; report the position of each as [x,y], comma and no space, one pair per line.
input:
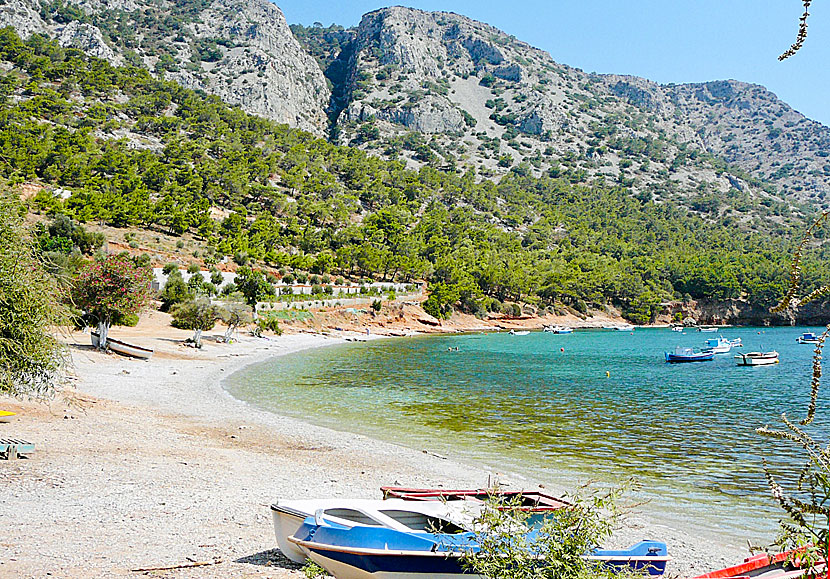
[556,550]
[807,502]
[31,358]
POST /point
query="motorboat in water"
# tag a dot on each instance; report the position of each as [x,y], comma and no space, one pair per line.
[558,330]
[688,355]
[757,358]
[807,338]
[434,550]
[707,329]
[519,333]
[717,345]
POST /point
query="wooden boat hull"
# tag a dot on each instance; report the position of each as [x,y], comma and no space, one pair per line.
[123,348]
[533,501]
[776,566]
[367,553]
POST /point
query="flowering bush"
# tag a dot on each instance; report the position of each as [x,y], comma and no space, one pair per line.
[110,287]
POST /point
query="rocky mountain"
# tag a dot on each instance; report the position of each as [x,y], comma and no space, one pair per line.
[440,89]
[239,50]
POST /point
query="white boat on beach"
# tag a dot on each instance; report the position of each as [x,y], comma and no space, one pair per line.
[519,333]
[123,348]
[757,358]
[395,514]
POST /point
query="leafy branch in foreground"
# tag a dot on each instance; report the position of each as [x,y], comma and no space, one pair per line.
[808,505]
[31,358]
[802,32]
[515,544]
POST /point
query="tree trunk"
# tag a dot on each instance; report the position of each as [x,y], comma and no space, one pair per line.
[197,338]
[103,330]
[229,333]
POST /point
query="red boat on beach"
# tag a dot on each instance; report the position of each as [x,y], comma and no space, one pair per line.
[780,566]
[533,501]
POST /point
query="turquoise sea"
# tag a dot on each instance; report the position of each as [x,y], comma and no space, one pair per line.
[543,406]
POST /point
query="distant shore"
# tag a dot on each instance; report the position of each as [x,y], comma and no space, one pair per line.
[152,464]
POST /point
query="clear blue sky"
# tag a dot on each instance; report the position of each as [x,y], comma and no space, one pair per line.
[662,40]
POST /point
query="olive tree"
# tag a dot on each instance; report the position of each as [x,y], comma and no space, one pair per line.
[111,287]
[198,315]
[31,358]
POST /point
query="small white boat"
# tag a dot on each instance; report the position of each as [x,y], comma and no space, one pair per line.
[520,333]
[677,329]
[619,327]
[559,329]
[707,329]
[717,345]
[123,348]
[757,358]
[807,338]
[736,343]
[397,514]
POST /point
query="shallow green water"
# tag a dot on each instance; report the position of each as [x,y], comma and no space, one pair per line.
[542,406]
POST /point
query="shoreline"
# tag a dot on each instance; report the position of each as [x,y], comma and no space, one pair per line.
[151,463]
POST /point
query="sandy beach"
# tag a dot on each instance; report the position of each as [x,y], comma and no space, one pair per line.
[147,464]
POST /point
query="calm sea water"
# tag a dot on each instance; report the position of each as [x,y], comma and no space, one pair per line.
[543,406]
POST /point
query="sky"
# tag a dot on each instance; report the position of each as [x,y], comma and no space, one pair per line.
[663,40]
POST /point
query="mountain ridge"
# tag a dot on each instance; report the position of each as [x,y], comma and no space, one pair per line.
[441,89]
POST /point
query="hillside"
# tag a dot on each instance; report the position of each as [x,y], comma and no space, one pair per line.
[241,51]
[116,146]
[440,89]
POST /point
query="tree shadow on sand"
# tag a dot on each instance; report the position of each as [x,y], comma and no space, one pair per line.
[270,558]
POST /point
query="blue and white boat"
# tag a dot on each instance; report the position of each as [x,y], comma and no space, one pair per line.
[559,330]
[688,355]
[429,549]
[807,338]
[718,345]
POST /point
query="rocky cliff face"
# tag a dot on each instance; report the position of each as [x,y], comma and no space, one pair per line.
[242,51]
[436,88]
[439,88]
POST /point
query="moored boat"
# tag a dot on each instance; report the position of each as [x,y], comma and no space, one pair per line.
[807,338]
[707,329]
[533,501]
[372,552]
[688,355]
[289,515]
[123,348]
[519,333]
[677,329]
[757,358]
[558,329]
[769,566]
[717,345]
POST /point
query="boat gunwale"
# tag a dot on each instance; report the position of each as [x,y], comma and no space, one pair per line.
[447,554]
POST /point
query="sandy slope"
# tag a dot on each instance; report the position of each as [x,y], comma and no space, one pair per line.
[148,464]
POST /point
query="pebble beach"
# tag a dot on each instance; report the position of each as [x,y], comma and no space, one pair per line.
[151,468]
